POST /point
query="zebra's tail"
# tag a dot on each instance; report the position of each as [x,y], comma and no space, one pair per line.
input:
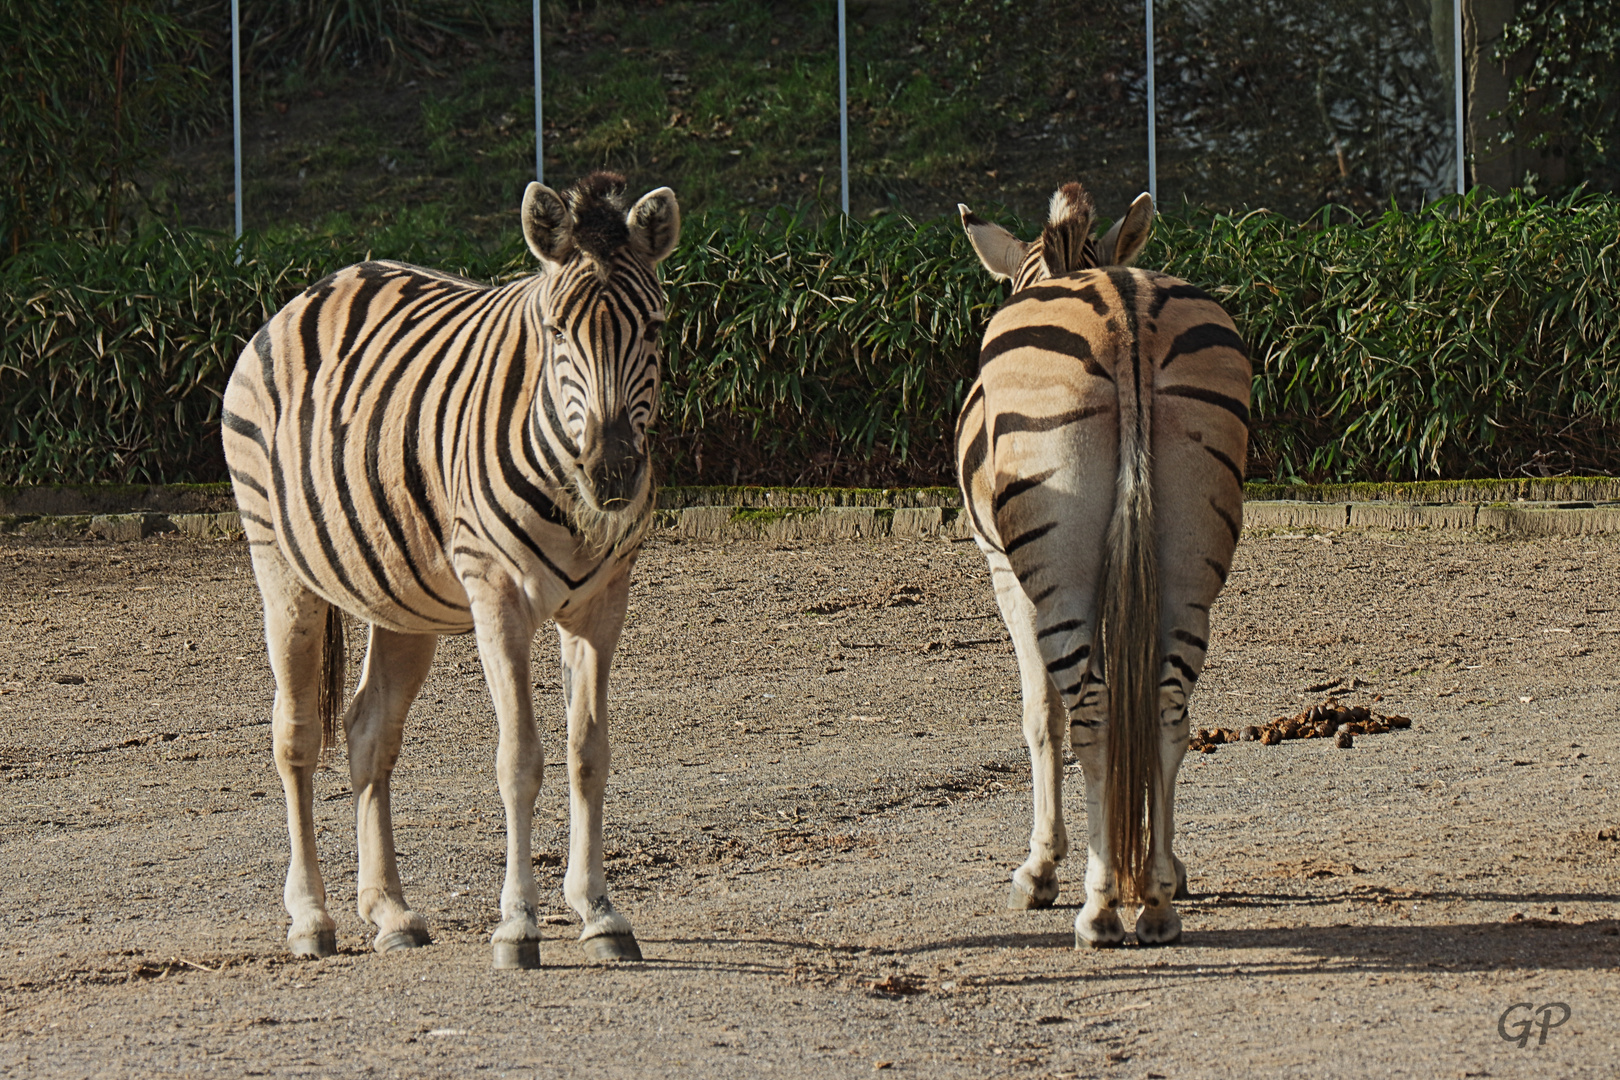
[331,685]
[1129,616]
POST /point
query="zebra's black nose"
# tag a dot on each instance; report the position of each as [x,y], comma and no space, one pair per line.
[613,463]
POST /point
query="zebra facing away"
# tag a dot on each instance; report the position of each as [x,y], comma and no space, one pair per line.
[436,456]
[1101,457]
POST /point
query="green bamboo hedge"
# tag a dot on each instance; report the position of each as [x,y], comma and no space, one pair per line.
[1479,337]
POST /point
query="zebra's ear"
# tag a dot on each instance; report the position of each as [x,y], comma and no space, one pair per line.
[547,226]
[1000,251]
[1130,233]
[655,224]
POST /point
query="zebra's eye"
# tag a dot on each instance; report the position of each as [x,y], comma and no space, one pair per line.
[558,338]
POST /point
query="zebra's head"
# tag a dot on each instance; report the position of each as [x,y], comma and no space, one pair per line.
[601,309]
[1065,244]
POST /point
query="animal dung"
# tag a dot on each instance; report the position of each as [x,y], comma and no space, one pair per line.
[1328,720]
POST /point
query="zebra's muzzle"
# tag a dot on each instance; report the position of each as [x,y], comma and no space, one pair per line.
[615,462]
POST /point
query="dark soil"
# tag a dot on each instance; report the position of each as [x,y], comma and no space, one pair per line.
[819,794]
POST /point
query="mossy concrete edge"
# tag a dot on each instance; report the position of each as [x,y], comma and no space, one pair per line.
[788,524]
[98,499]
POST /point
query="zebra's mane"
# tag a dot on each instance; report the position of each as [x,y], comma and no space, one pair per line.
[598,205]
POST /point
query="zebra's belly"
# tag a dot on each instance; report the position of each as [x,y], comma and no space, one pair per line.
[387,572]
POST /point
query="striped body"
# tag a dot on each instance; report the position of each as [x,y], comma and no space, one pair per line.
[434,456]
[1066,366]
[392,421]
[1100,454]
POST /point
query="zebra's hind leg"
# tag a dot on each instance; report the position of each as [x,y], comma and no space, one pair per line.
[294,634]
[1035,883]
[505,636]
[1158,923]
[587,643]
[1098,925]
[396,666]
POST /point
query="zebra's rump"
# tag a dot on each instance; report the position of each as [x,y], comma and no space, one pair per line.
[377,424]
[1066,362]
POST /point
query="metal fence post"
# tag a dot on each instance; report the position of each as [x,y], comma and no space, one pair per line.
[236,109]
[1457,81]
[1153,149]
[843,113]
[539,149]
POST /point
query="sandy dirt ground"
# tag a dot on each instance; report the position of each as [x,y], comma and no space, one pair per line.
[819,792]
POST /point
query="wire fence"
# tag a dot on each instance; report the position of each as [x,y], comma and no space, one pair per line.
[1254,94]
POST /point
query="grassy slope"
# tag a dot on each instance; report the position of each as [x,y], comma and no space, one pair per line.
[734,103]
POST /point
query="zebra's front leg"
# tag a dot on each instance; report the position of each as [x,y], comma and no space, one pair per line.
[505,636]
[587,642]
[1158,923]
[1035,883]
[1098,925]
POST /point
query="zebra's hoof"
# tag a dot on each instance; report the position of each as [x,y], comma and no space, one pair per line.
[321,943]
[612,947]
[1082,942]
[1098,927]
[1158,926]
[1021,899]
[398,941]
[517,955]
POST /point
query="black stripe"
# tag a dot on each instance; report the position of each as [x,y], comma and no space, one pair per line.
[247,429]
[376,417]
[1182,666]
[267,369]
[411,449]
[1093,296]
[1054,339]
[1220,571]
[1037,294]
[256,519]
[1210,397]
[372,278]
[313,513]
[1061,290]
[1231,522]
[1007,423]
[371,419]
[972,457]
[1031,536]
[1028,574]
[1189,638]
[548,407]
[1036,598]
[1058,628]
[1203,336]
[1017,488]
[1163,294]
[523,487]
[249,482]
[1069,661]
[1231,466]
